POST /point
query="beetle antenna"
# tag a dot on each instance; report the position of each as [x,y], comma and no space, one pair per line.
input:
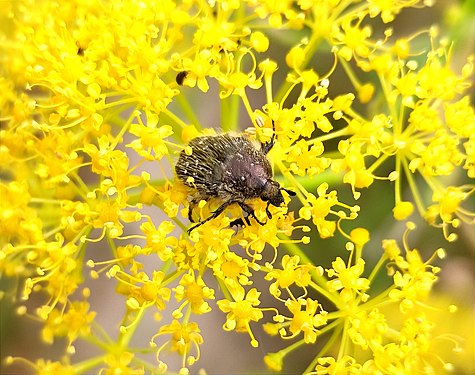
[290,192]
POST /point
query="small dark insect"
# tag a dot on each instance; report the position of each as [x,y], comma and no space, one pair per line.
[80,49]
[232,169]
[180,77]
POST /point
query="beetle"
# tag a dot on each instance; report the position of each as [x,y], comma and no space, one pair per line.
[180,77]
[233,169]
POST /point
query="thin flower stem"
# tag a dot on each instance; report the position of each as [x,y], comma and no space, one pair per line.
[413,186]
[328,345]
[345,340]
[377,267]
[310,48]
[320,288]
[230,113]
[124,338]
[177,120]
[86,366]
[187,109]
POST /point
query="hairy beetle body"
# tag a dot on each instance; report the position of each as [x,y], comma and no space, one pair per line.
[231,168]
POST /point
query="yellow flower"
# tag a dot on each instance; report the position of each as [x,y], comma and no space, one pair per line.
[306,160]
[367,329]
[274,361]
[170,197]
[150,138]
[72,323]
[353,37]
[214,238]
[15,214]
[447,205]
[413,281]
[194,291]
[319,208]
[241,312]
[305,320]
[183,338]
[54,368]
[402,210]
[347,279]
[344,365]
[292,272]
[105,160]
[121,361]
[234,270]
[158,240]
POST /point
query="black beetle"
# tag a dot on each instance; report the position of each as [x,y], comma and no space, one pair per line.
[180,77]
[233,169]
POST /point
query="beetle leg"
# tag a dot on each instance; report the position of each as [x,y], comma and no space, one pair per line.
[213,215]
[238,222]
[245,207]
[191,206]
[266,147]
[269,215]
[250,212]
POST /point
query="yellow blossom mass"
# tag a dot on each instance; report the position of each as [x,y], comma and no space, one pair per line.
[368,128]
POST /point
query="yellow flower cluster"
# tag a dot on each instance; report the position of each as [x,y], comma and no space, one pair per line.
[97,100]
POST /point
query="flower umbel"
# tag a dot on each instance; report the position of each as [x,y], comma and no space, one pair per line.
[361,124]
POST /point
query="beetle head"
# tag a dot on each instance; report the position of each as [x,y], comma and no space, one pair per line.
[273,193]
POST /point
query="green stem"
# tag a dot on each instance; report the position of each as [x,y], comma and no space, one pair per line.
[124,338]
[309,54]
[230,113]
[187,110]
[324,350]
[345,341]
[87,365]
